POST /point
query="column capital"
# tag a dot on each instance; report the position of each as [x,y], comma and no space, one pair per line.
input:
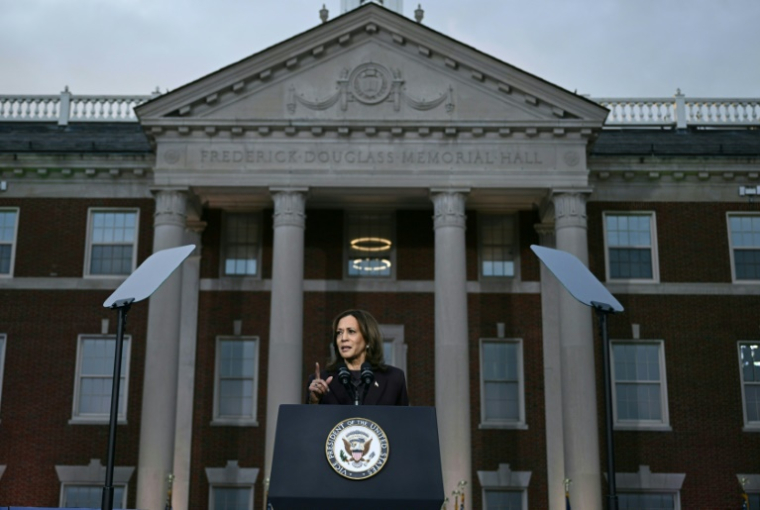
[448,207]
[569,207]
[171,206]
[546,233]
[289,206]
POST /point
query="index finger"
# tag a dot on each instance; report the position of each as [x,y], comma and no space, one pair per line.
[316,372]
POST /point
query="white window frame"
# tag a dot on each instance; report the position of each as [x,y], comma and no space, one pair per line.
[393,334]
[232,476]
[347,244]
[3,348]
[240,421]
[92,475]
[749,426]
[504,479]
[520,423]
[644,481]
[100,418]
[653,246]
[515,246]
[255,216]
[99,488]
[13,243]
[664,423]
[732,249]
[89,243]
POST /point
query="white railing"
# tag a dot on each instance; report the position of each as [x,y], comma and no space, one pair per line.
[66,107]
[681,112]
[677,111]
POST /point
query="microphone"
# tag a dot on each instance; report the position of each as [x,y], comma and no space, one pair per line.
[367,376]
[344,376]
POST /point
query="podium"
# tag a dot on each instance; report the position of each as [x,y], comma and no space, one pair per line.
[311,466]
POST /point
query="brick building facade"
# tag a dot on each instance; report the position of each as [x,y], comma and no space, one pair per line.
[374,163]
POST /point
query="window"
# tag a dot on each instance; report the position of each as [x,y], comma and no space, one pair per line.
[497,242]
[242,244]
[112,242]
[231,487]
[744,239]
[2,364]
[90,496]
[503,500]
[394,348]
[236,380]
[8,228]
[370,250]
[749,365]
[82,486]
[754,500]
[501,383]
[639,389]
[232,498]
[645,490]
[94,380]
[631,246]
[646,501]
[505,489]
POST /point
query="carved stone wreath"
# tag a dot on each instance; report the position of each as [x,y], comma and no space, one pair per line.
[370,84]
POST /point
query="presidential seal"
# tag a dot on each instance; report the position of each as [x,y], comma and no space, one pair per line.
[357,448]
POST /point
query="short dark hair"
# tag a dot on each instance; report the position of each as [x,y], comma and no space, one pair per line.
[370,330]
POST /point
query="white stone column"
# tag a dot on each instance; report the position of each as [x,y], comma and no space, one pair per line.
[183,435]
[555,447]
[159,402]
[284,379]
[452,374]
[579,409]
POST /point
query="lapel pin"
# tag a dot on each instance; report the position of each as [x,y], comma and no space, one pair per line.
[376,385]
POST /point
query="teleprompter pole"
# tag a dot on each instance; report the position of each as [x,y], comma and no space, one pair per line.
[123,307]
[602,311]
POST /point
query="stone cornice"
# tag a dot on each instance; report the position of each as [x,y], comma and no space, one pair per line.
[205,128]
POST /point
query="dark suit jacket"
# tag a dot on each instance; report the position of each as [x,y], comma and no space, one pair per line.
[389,389]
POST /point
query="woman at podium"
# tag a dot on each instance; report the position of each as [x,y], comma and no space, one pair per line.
[357,374]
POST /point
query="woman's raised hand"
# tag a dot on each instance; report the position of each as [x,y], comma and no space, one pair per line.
[318,386]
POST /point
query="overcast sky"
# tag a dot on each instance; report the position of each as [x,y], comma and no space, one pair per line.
[605,48]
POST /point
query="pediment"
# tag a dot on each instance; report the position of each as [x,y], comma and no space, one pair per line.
[372,67]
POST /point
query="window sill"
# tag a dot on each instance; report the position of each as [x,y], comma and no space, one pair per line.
[652,281]
[234,422]
[503,426]
[752,427]
[95,421]
[660,427]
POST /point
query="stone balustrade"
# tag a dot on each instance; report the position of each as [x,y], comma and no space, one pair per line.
[680,111]
[66,107]
[677,111]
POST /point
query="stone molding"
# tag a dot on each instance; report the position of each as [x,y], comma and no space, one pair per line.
[289,207]
[232,474]
[646,480]
[94,473]
[370,83]
[504,477]
[449,208]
